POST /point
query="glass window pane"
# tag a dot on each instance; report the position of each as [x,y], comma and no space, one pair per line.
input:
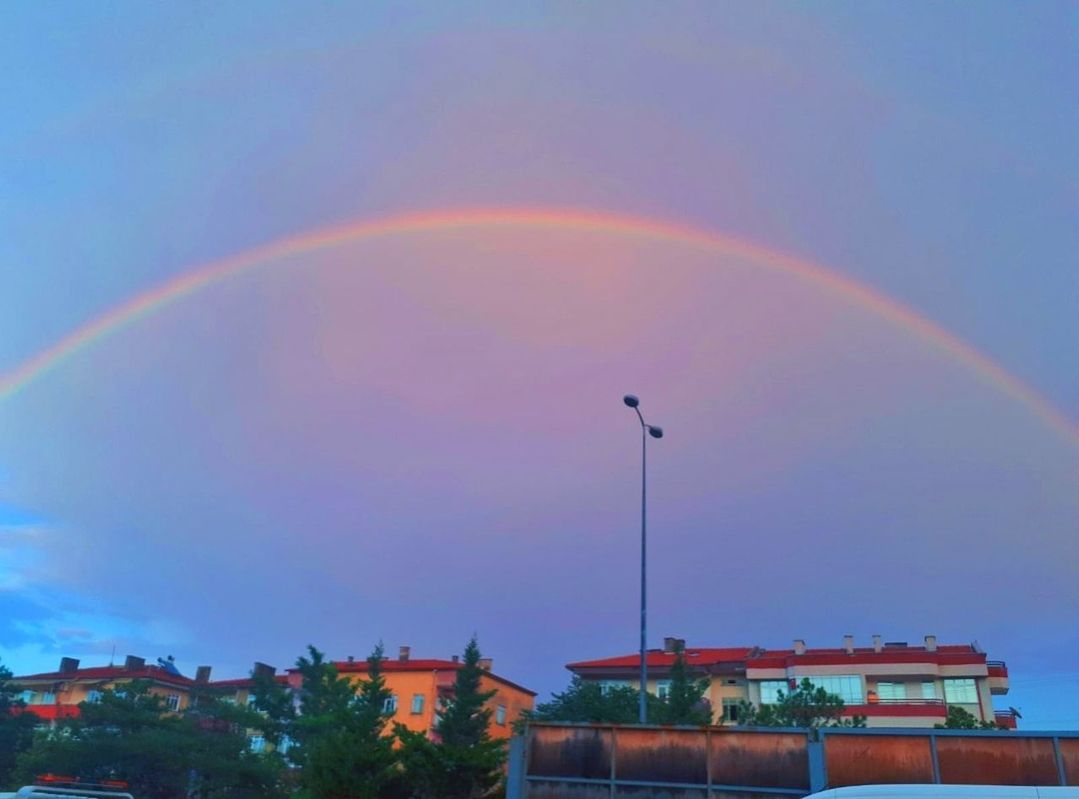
[961,691]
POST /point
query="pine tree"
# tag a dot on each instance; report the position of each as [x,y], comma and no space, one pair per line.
[685,703]
[463,763]
[344,750]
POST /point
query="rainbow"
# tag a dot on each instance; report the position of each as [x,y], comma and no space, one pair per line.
[203,276]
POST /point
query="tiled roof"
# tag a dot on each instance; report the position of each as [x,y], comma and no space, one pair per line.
[944,654]
[246,682]
[390,666]
[695,656]
[106,673]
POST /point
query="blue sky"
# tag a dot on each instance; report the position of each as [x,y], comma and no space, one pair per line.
[416,438]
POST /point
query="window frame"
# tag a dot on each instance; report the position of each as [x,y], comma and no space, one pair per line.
[953,691]
[419,702]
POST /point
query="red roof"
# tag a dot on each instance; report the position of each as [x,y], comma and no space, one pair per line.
[656,657]
[433,664]
[106,673]
[954,654]
[246,682]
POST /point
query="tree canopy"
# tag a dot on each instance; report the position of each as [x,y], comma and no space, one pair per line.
[587,701]
[961,719]
[16,727]
[129,735]
[461,761]
[804,706]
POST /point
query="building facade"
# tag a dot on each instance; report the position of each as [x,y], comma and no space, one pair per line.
[57,694]
[417,689]
[892,684]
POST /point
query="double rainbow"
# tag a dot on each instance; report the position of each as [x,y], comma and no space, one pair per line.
[206,275]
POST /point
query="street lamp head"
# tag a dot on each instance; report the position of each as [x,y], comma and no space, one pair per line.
[631,400]
[655,432]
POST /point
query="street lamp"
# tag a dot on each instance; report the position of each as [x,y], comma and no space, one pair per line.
[655,432]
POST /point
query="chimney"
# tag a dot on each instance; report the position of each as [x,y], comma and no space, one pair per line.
[455,658]
[799,646]
[263,670]
[877,645]
[69,665]
[351,658]
[848,644]
[485,663]
[202,674]
[930,643]
[403,653]
[669,645]
[132,663]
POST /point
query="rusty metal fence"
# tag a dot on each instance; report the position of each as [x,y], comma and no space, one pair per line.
[567,761]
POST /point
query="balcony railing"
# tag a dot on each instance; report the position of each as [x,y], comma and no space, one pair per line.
[910,701]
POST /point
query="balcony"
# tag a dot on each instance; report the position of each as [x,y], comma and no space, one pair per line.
[998,677]
[906,708]
[1008,719]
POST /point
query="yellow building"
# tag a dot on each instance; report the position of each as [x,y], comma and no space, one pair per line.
[417,689]
[57,694]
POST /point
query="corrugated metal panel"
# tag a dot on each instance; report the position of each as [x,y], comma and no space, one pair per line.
[760,759]
[582,752]
[875,759]
[1069,753]
[997,761]
[658,755]
[564,790]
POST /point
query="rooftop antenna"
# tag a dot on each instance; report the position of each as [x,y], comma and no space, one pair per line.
[112,657]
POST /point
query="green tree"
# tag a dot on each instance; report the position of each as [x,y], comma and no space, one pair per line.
[463,763]
[685,702]
[805,706]
[960,719]
[16,727]
[586,701]
[339,738]
[128,735]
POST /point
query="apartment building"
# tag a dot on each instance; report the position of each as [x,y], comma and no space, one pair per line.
[417,688]
[57,694]
[892,684]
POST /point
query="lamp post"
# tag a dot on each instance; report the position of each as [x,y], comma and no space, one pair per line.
[655,432]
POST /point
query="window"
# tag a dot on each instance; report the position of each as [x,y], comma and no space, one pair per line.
[961,691]
[390,705]
[93,696]
[417,704]
[663,688]
[251,698]
[257,743]
[172,702]
[27,697]
[47,698]
[891,690]
[730,710]
[606,686]
[770,690]
[847,687]
[500,715]
[929,690]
